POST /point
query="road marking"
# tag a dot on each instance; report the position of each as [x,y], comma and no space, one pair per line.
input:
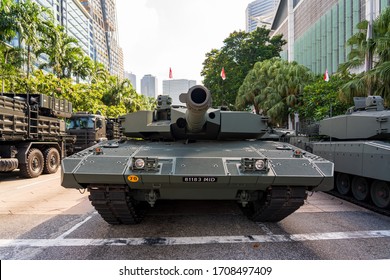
[164,241]
[264,228]
[76,226]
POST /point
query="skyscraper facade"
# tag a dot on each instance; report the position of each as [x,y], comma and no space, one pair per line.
[132,78]
[319,41]
[149,86]
[260,12]
[105,38]
[75,19]
[174,88]
[93,23]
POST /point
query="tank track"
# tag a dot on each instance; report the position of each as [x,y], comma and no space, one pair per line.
[365,204]
[115,205]
[276,204]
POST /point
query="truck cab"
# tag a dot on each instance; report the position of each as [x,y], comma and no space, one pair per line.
[88,128]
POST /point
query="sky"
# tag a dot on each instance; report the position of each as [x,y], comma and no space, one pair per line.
[156,35]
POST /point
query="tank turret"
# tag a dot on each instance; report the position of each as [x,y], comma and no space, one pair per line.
[366,120]
[195,122]
[195,152]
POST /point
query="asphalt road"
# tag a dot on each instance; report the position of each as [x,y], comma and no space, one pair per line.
[40,220]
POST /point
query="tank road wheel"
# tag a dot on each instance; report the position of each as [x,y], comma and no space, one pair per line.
[275,204]
[52,161]
[360,188]
[380,193]
[34,166]
[343,184]
[115,205]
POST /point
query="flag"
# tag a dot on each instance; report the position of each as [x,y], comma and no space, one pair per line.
[326,76]
[170,73]
[223,76]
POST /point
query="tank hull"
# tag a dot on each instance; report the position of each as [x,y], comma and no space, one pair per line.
[200,170]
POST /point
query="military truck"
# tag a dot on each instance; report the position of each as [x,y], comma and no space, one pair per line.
[195,152]
[358,143]
[90,129]
[33,136]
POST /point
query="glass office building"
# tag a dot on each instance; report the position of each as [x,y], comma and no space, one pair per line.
[317,30]
[93,24]
[76,20]
[260,12]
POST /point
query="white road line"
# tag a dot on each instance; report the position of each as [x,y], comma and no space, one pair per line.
[264,228]
[164,241]
[76,226]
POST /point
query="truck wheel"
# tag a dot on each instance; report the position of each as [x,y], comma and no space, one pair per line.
[34,166]
[52,161]
[8,164]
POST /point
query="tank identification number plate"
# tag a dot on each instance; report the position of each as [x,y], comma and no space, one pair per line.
[133,179]
[193,179]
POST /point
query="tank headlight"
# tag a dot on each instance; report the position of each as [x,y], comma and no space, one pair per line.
[253,164]
[260,164]
[145,164]
[139,163]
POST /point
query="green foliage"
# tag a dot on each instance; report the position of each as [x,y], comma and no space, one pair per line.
[99,92]
[112,98]
[31,22]
[241,50]
[320,99]
[273,87]
[377,80]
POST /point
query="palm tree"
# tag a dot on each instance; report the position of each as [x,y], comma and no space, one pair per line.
[99,73]
[10,62]
[273,87]
[65,56]
[7,21]
[30,23]
[83,69]
[376,80]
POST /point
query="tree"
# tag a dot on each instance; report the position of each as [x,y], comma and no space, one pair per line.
[10,62]
[320,99]
[273,87]
[241,50]
[377,80]
[7,21]
[98,73]
[30,20]
[65,56]
[84,68]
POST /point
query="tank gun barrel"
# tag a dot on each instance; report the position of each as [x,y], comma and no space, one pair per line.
[198,101]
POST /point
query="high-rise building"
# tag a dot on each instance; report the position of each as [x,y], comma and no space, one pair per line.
[319,41]
[149,86]
[105,37]
[133,79]
[259,13]
[93,23]
[74,18]
[174,88]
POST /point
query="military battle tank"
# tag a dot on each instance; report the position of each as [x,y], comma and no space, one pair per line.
[195,152]
[358,143]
